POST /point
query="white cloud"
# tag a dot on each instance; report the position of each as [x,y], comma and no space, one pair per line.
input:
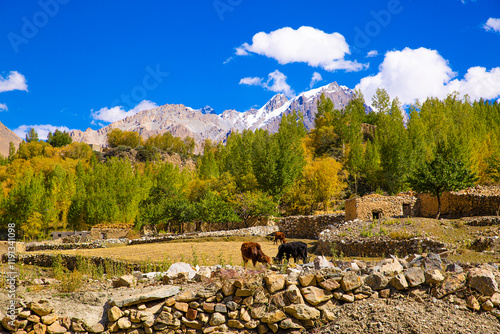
[492,25]
[276,82]
[315,78]
[417,74]
[14,81]
[3,107]
[372,53]
[304,45]
[117,113]
[255,81]
[42,130]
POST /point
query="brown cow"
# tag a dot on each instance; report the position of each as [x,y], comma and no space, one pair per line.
[253,251]
[279,236]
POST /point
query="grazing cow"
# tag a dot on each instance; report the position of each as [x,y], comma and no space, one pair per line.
[295,249]
[279,236]
[253,251]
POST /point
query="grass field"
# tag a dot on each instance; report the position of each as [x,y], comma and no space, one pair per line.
[204,251]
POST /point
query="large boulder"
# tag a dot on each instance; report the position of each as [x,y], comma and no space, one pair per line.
[483,281]
[181,267]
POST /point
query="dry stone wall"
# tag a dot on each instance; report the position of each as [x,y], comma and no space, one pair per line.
[476,201]
[308,227]
[234,300]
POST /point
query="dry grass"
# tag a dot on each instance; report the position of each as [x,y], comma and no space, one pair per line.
[204,252]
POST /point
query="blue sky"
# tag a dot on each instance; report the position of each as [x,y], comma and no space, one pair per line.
[76,64]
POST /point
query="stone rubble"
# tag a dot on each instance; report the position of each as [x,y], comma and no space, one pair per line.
[237,300]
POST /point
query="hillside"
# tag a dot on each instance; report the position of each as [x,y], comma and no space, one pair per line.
[7,136]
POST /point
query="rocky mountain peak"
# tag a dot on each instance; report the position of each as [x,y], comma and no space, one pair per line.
[207,110]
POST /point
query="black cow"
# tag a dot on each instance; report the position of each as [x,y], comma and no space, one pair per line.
[295,249]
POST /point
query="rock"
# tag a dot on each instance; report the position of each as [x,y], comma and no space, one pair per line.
[472,303]
[161,293]
[293,276]
[166,318]
[487,305]
[41,308]
[399,282]
[293,294]
[208,307]
[56,328]
[203,274]
[274,282]
[114,313]
[273,327]
[124,323]
[39,328]
[307,280]
[217,319]
[433,261]
[386,293]
[243,292]
[415,276]
[495,299]
[49,319]
[291,324]
[321,262]
[232,306]
[302,312]
[350,281]
[257,311]
[24,314]
[244,315]
[191,314]
[183,307]
[376,281]
[175,278]
[96,328]
[186,296]
[252,324]
[279,299]
[483,281]
[348,297]
[315,296]
[66,322]
[233,323]
[433,276]
[228,289]
[34,318]
[390,267]
[182,267]
[454,268]
[128,281]
[271,318]
[450,284]
[192,323]
[329,284]
[77,326]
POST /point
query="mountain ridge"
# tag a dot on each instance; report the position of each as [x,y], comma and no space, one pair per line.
[202,124]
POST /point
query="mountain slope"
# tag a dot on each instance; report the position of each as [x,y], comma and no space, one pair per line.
[203,124]
[7,136]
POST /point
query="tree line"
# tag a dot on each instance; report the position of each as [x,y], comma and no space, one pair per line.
[438,145]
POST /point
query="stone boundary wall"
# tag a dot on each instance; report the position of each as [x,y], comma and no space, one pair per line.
[386,206]
[268,302]
[477,201]
[379,246]
[308,227]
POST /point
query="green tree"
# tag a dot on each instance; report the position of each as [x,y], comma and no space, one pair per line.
[32,135]
[212,209]
[253,204]
[12,151]
[440,175]
[59,139]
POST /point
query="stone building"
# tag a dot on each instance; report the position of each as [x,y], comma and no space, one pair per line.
[376,206]
[110,231]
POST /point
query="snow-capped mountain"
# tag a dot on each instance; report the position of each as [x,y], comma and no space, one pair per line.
[204,124]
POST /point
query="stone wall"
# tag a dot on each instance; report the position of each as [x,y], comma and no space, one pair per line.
[239,301]
[379,246]
[384,206]
[476,201]
[308,227]
[102,233]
